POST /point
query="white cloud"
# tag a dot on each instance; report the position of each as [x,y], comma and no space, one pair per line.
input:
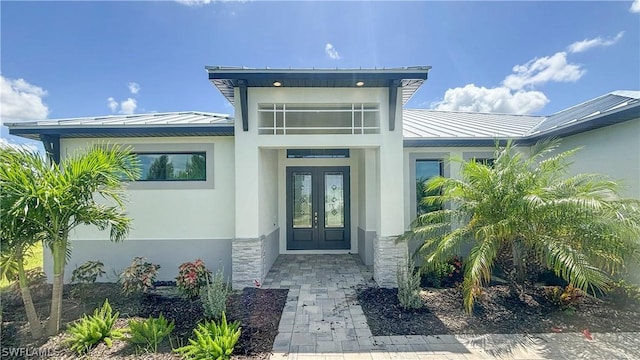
[206,2]
[331,52]
[542,70]
[635,7]
[20,100]
[194,2]
[113,104]
[498,99]
[586,44]
[516,94]
[134,87]
[128,106]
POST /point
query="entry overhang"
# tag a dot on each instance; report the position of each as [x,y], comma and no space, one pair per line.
[402,82]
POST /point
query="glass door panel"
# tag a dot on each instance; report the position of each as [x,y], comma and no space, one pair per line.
[334,200]
[302,200]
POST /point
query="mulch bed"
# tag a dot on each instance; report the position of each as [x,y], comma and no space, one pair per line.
[258,311]
[497,311]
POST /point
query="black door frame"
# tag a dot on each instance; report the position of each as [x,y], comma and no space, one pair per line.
[318,233]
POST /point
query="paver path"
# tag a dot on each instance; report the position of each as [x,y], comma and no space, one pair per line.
[323,321]
[321,314]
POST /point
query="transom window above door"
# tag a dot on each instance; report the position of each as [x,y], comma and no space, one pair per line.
[301,119]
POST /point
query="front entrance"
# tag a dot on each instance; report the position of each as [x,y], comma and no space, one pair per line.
[318,208]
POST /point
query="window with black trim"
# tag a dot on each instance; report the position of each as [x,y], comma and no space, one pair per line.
[173,166]
[425,170]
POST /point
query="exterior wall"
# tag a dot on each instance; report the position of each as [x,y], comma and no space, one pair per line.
[613,150]
[172,224]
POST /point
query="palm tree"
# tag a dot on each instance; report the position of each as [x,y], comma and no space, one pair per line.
[16,235]
[524,213]
[66,195]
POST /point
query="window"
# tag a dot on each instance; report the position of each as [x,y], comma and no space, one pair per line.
[317,153]
[176,166]
[425,170]
[297,119]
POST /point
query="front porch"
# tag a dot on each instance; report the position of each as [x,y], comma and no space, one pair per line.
[319,205]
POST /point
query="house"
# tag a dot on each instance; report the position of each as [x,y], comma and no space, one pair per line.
[315,161]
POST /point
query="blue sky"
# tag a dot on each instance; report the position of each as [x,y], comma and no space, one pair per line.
[74,59]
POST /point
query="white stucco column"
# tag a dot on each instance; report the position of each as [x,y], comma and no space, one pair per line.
[387,254]
[247,248]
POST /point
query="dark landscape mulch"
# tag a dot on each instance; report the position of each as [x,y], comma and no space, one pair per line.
[258,311]
[497,311]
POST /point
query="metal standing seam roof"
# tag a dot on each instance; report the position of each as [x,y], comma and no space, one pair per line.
[159,119]
[421,127]
[226,78]
[422,123]
[185,123]
[588,110]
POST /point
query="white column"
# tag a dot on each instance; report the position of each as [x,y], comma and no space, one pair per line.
[388,254]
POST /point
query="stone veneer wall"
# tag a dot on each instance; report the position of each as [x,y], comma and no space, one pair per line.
[386,257]
[247,257]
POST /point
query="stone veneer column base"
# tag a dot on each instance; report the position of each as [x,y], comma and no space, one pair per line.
[386,257]
[247,262]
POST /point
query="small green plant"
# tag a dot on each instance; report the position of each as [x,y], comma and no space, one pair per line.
[139,276]
[214,296]
[446,274]
[148,334]
[568,298]
[192,276]
[212,340]
[88,272]
[409,286]
[85,275]
[90,330]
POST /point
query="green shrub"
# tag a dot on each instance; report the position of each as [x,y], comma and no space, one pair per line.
[85,275]
[90,330]
[139,276]
[212,341]
[446,274]
[148,334]
[409,286]
[192,276]
[214,296]
[88,272]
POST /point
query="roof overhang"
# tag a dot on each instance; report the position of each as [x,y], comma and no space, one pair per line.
[227,78]
[36,133]
[407,80]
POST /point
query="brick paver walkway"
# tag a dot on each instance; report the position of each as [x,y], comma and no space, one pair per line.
[323,321]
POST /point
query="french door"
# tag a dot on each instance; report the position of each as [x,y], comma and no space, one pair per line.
[318,208]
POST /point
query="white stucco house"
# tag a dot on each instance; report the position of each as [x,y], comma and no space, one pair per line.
[314,161]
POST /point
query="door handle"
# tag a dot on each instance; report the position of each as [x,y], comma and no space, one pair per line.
[315,219]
